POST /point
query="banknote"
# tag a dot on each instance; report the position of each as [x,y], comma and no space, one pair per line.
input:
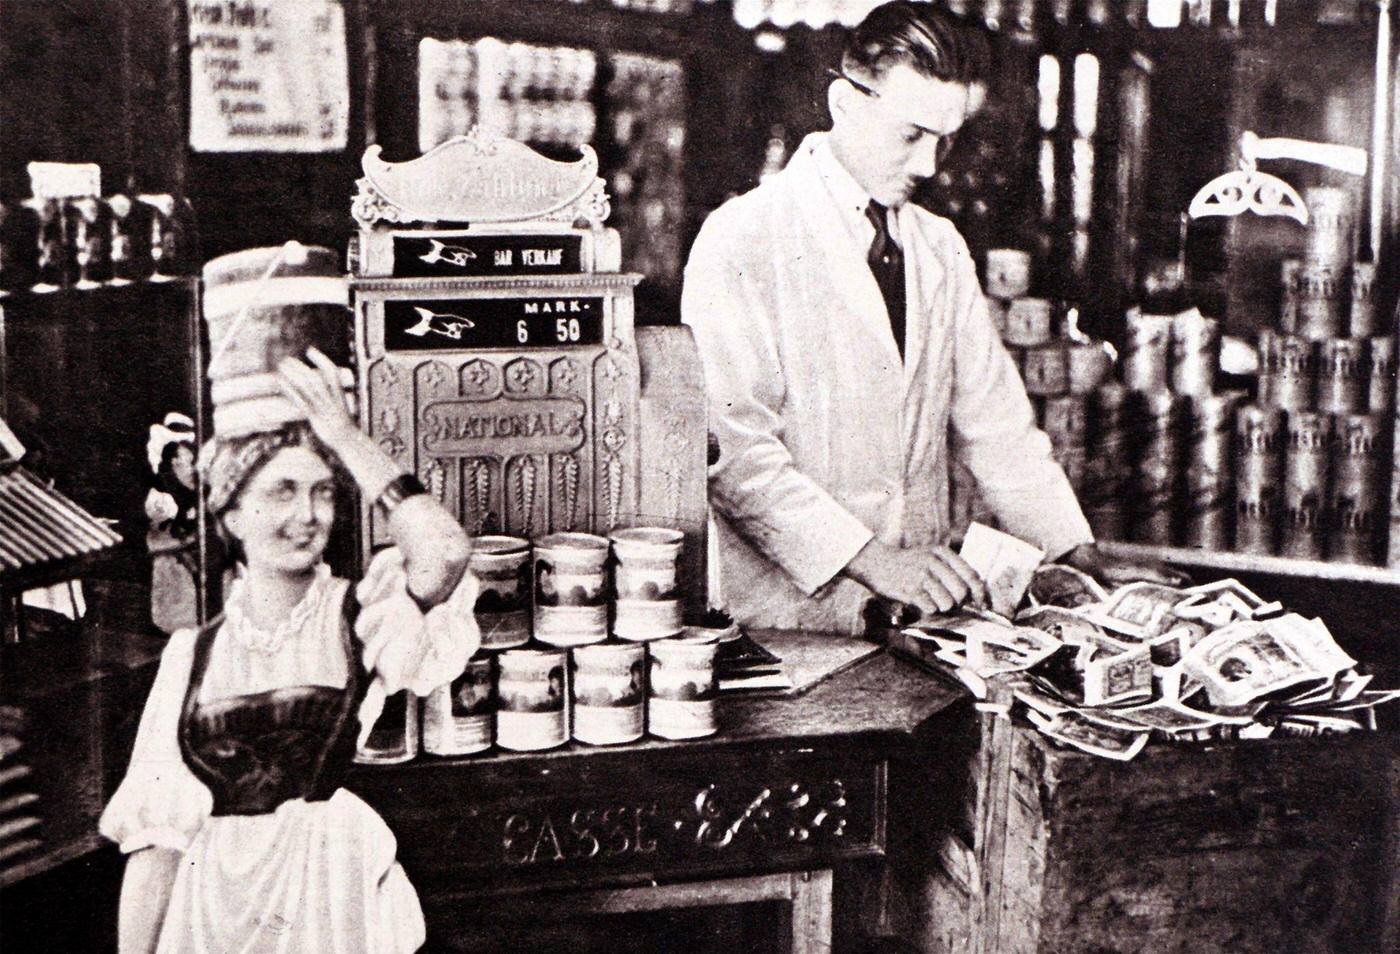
[1006,563]
[1073,729]
[1055,584]
[1138,610]
[1115,678]
[1247,660]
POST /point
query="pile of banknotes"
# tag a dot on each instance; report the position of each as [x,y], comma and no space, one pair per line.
[1107,672]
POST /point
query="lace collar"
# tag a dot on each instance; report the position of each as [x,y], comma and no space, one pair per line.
[241,627]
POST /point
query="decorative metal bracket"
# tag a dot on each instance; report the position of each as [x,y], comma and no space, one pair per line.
[480,178]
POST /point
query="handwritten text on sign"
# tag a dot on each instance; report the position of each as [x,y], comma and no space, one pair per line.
[268,76]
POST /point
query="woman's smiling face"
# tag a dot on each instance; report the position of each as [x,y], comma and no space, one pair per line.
[284,514]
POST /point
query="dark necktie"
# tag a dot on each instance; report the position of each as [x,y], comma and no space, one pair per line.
[887,263]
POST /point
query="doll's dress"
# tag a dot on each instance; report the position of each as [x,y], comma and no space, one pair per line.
[243,743]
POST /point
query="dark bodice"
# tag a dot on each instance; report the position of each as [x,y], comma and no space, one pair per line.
[257,751]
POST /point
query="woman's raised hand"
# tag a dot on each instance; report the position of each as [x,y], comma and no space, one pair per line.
[317,393]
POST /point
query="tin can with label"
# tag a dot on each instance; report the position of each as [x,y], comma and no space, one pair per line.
[1146,350]
[1209,484]
[996,310]
[1330,237]
[571,593]
[1342,383]
[1195,343]
[1260,436]
[1066,421]
[683,688]
[1305,467]
[1046,371]
[19,246]
[127,242]
[648,596]
[1356,496]
[1380,375]
[1322,300]
[1008,273]
[1089,366]
[1288,295]
[1107,461]
[394,738]
[460,717]
[89,232]
[502,567]
[609,690]
[1028,322]
[1363,322]
[54,264]
[532,694]
[1291,372]
[1157,474]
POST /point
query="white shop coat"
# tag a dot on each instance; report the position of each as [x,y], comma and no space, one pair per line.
[826,438]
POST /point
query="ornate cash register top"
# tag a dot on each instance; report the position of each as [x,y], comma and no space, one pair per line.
[480,178]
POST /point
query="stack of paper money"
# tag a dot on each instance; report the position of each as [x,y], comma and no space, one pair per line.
[1106,672]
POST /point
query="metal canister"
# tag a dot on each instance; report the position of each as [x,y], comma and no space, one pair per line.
[682,688]
[460,717]
[1209,484]
[1157,470]
[532,690]
[1355,495]
[1305,467]
[1380,375]
[571,598]
[502,567]
[19,246]
[128,240]
[1259,443]
[394,738]
[1195,345]
[1321,300]
[1107,461]
[1289,375]
[1066,421]
[1089,366]
[89,232]
[1342,383]
[171,236]
[1362,323]
[1146,349]
[1288,295]
[1028,322]
[609,691]
[1008,273]
[1330,237]
[645,581]
[1046,370]
[54,266]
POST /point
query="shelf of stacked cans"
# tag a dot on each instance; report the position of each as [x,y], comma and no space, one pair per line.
[582,639]
[1060,366]
[88,242]
[541,95]
[1295,482]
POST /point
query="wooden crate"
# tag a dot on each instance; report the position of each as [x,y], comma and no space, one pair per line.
[1275,846]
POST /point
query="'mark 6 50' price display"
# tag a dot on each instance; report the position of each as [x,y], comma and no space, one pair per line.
[466,324]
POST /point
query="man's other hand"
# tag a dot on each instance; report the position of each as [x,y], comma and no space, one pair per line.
[932,579]
[1112,571]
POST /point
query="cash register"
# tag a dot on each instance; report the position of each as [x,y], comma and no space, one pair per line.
[498,358]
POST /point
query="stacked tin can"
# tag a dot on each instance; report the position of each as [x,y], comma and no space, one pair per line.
[1328,374]
[88,241]
[1060,369]
[552,667]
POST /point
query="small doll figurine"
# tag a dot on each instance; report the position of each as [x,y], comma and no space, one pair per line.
[172,507]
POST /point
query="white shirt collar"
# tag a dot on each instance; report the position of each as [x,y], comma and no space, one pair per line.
[849,197]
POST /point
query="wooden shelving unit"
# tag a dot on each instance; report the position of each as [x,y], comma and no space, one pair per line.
[1191,557]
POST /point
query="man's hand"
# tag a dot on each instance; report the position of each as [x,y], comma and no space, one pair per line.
[1112,571]
[934,580]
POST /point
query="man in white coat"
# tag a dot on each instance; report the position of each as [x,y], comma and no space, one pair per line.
[849,356]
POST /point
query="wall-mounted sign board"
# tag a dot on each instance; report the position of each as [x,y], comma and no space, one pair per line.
[268,76]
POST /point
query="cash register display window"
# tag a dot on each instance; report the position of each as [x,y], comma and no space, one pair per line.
[458,324]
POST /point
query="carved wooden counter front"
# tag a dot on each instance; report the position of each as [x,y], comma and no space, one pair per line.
[789,785]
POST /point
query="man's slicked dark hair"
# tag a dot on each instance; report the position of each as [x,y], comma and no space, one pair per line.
[933,43]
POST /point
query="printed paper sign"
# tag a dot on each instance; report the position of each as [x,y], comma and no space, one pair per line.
[268,76]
